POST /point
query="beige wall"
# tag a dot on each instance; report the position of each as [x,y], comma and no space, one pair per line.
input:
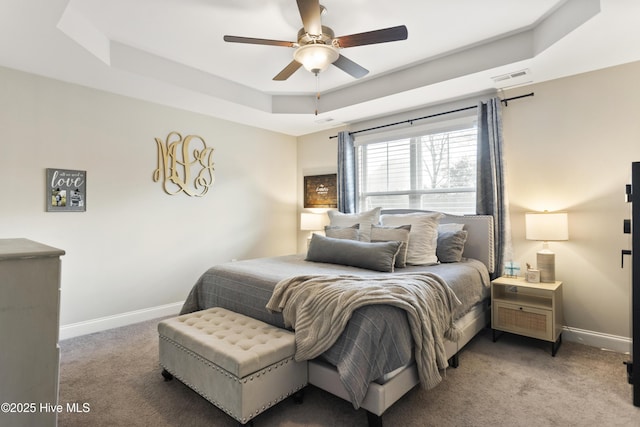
[569,147]
[136,248]
[317,155]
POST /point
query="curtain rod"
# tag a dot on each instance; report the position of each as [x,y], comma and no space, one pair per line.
[505,101]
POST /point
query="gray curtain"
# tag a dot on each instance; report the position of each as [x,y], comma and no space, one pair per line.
[346,173]
[491,189]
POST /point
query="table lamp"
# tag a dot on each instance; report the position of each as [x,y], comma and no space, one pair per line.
[311,222]
[546,226]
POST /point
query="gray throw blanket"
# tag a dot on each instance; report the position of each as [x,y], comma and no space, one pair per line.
[318,307]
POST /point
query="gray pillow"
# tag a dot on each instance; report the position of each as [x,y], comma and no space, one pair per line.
[380,233]
[337,232]
[365,219]
[378,256]
[451,245]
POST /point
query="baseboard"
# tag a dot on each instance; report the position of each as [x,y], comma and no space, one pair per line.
[597,339]
[109,322]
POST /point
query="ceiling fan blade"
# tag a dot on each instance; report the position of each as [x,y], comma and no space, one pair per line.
[288,71]
[251,40]
[350,67]
[310,14]
[384,35]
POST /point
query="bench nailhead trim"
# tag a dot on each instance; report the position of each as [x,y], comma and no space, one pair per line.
[233,377]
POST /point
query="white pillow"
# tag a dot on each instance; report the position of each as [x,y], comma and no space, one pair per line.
[423,237]
[365,219]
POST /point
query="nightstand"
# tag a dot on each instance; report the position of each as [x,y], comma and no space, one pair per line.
[530,309]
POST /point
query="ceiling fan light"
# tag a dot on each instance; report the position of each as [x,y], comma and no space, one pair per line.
[316,57]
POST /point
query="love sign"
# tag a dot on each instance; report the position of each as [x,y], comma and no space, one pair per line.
[66,190]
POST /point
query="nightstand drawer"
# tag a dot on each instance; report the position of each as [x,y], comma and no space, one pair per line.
[523,320]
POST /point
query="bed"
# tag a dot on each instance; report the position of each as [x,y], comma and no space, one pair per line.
[372,363]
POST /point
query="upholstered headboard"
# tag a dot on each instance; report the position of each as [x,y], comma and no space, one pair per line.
[480,238]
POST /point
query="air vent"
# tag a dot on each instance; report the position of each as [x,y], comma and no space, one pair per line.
[325,120]
[514,78]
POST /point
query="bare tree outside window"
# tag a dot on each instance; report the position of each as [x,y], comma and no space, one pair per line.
[434,171]
[436,147]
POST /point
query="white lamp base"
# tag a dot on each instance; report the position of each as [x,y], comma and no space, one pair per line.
[547,265]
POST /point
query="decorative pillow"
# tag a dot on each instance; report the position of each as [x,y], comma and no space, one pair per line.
[451,245]
[450,227]
[350,233]
[423,237]
[365,219]
[379,256]
[400,234]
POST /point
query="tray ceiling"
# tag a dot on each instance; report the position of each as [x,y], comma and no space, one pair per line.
[172,52]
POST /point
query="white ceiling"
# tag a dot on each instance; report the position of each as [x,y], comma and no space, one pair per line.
[171,51]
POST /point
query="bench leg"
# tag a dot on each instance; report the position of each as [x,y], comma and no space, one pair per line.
[298,397]
[167,375]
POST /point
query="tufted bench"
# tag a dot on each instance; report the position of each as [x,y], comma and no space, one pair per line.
[241,365]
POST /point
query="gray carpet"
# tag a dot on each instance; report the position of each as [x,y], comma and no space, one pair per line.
[513,382]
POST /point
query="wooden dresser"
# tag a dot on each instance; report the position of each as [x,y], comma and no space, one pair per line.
[29,329]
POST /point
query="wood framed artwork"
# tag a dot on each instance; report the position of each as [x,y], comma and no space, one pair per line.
[66,190]
[321,191]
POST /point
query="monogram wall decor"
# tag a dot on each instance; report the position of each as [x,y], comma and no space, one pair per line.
[184,165]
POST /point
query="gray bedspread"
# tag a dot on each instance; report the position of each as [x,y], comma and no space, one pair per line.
[377,338]
[319,307]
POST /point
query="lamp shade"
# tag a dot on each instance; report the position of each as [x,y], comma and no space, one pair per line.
[316,57]
[311,222]
[547,226]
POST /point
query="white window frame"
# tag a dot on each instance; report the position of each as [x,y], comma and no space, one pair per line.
[416,193]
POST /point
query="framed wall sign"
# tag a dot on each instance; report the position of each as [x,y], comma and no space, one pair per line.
[320,191]
[66,190]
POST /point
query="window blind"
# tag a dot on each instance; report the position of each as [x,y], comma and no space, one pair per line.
[432,168]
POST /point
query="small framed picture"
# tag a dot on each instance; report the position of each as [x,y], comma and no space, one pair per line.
[533,276]
[320,191]
[66,190]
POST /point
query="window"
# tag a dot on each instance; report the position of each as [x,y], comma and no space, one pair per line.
[431,169]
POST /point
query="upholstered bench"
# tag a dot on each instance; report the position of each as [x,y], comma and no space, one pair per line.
[241,365]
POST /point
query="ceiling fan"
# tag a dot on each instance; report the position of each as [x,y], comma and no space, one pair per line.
[317,47]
